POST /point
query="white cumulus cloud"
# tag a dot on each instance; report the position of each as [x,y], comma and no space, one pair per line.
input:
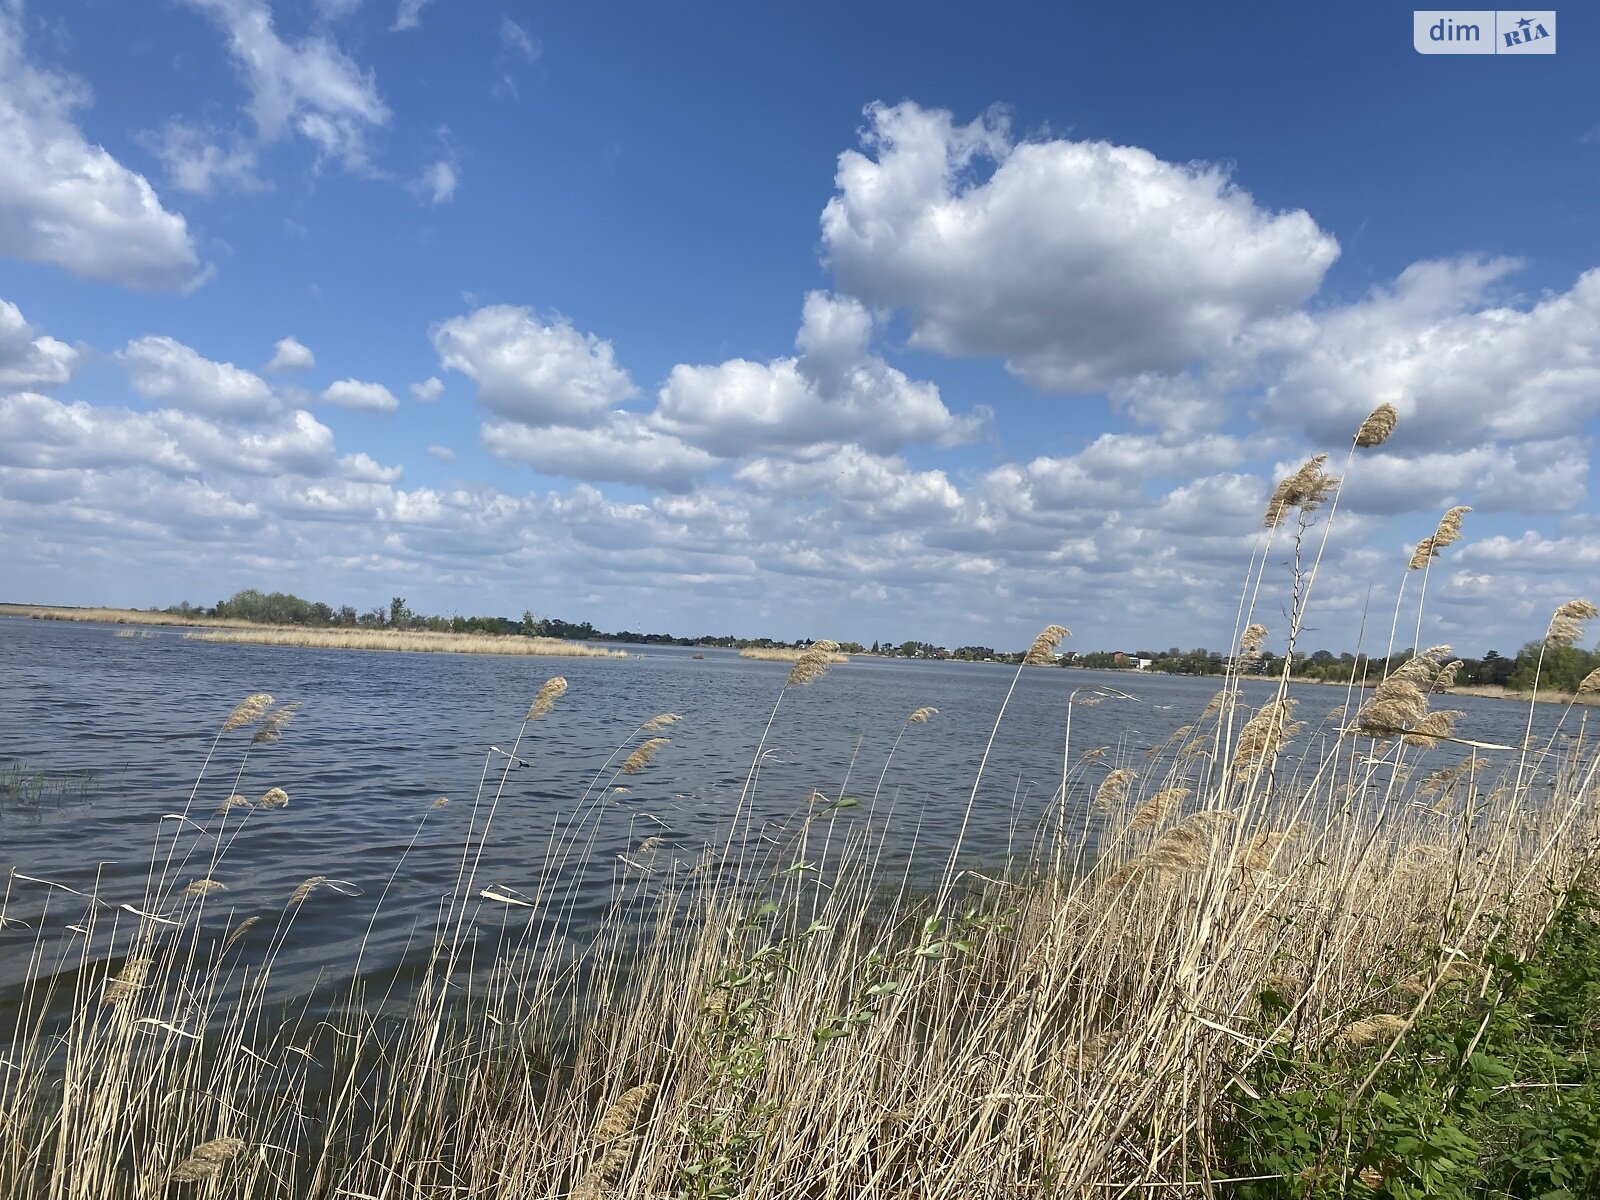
[364,397]
[1079,263]
[289,354]
[835,390]
[166,370]
[531,371]
[624,449]
[29,359]
[71,204]
[429,390]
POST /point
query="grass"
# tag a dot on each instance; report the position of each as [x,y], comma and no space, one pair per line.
[412,641]
[106,616]
[1262,961]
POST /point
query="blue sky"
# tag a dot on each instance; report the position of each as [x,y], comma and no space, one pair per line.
[867,322]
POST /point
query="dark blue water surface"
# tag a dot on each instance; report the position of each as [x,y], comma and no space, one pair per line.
[380,736]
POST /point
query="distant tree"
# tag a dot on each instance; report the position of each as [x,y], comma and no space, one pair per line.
[399,614]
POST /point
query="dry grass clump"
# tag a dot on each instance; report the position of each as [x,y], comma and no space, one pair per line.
[408,640]
[206,1159]
[106,616]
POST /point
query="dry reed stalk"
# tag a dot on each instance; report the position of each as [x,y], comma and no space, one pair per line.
[1043,650]
[1158,808]
[127,981]
[640,758]
[1566,624]
[660,721]
[204,887]
[1305,489]
[1115,788]
[246,711]
[273,798]
[1380,423]
[922,714]
[545,698]
[206,1159]
[303,893]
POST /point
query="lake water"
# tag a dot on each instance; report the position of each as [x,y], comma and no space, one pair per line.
[117,728]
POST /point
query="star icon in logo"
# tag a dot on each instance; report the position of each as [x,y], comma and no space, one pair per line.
[1524,23]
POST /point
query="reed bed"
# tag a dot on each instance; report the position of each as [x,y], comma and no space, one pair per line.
[409,641]
[108,616]
[787,654]
[763,1016]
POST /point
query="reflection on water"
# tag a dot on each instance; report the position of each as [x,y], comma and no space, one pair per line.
[381,737]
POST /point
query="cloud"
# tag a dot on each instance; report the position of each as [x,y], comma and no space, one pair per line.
[833,391]
[407,15]
[437,184]
[518,47]
[198,163]
[71,204]
[1460,368]
[167,370]
[1079,263]
[530,371]
[429,390]
[363,397]
[290,355]
[29,359]
[442,453]
[309,87]
[624,449]
[867,486]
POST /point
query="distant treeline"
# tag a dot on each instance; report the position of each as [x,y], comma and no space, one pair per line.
[1563,668]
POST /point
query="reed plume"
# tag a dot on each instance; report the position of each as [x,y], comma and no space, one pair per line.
[237,932]
[1433,728]
[303,893]
[921,715]
[1043,650]
[1591,682]
[235,801]
[640,758]
[1156,809]
[247,711]
[598,1182]
[1447,533]
[1370,1029]
[1253,637]
[812,664]
[1115,788]
[650,844]
[204,887]
[545,698]
[1263,735]
[273,798]
[127,982]
[660,721]
[623,1116]
[440,802]
[277,720]
[1305,489]
[1380,423]
[1566,624]
[1262,850]
[206,1159]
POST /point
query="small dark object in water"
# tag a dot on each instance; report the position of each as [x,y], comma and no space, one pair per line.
[697,656]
